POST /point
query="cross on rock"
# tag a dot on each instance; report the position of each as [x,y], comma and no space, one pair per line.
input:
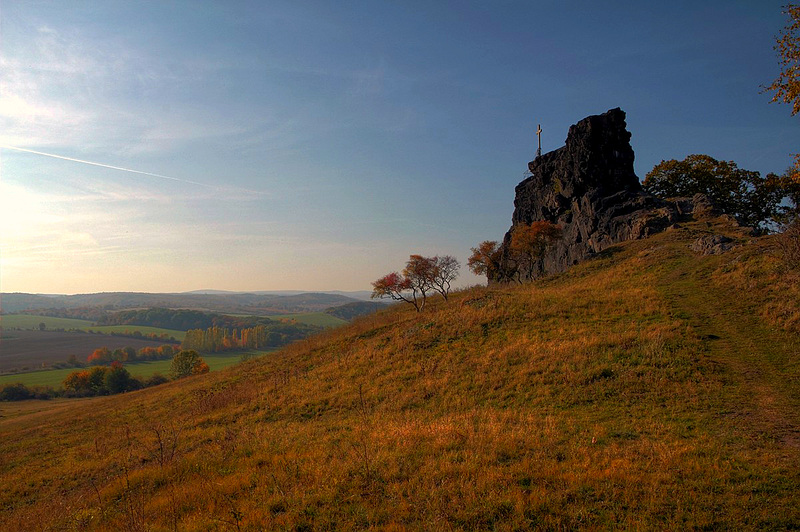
[539,134]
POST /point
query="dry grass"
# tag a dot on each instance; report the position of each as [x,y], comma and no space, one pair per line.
[589,400]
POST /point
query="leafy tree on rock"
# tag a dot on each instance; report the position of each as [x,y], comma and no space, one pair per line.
[485,259]
[529,243]
[187,362]
[753,200]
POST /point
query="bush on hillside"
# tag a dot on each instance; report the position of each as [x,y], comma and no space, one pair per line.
[187,362]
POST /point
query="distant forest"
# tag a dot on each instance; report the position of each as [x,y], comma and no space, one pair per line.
[181,319]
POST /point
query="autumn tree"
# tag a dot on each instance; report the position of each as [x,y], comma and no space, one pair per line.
[485,259]
[100,355]
[77,381]
[529,244]
[187,362]
[394,286]
[787,90]
[787,85]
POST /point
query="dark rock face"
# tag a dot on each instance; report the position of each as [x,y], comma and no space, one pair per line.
[589,188]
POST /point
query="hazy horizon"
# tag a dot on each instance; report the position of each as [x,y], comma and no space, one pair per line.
[172,146]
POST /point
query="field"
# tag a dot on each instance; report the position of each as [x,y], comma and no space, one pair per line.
[21,349]
[25,321]
[647,389]
[54,377]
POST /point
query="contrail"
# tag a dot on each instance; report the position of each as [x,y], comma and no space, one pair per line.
[101,165]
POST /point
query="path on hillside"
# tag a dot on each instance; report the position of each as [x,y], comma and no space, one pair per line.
[761,391]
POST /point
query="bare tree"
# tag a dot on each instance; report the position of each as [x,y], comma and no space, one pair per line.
[444,271]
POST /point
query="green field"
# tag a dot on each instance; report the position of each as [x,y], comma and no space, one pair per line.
[320,319]
[54,377]
[25,321]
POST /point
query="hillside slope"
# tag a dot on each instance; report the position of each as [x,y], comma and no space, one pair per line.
[649,388]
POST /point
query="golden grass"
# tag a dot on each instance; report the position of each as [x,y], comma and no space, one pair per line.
[586,400]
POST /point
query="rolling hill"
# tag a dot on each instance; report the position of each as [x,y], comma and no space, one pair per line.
[648,388]
[258,304]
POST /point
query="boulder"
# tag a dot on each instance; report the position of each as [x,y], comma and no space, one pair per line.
[712,245]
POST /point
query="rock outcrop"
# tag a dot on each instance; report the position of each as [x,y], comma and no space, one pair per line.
[589,188]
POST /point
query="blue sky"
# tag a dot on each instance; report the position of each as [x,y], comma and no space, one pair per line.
[315,145]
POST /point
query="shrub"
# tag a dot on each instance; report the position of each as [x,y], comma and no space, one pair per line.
[155,380]
[187,362]
[15,392]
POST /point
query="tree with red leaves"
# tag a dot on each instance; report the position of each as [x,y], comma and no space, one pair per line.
[101,355]
[394,285]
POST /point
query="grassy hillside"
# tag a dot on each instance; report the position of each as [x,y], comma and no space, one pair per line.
[646,389]
[320,319]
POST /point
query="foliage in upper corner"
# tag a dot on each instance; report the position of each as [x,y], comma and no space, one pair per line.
[787,85]
[753,200]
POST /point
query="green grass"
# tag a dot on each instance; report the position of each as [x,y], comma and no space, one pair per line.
[54,377]
[25,321]
[320,319]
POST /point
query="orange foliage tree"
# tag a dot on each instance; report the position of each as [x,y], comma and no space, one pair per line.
[787,86]
[529,243]
[485,259]
[99,356]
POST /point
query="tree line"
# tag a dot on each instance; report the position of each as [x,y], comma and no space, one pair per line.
[216,339]
[104,356]
[180,319]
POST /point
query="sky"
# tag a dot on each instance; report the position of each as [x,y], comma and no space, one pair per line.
[302,145]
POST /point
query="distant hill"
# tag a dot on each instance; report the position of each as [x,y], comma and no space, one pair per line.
[364,295]
[231,303]
[649,388]
[355,309]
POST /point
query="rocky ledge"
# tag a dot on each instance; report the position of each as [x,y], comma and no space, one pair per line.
[589,188]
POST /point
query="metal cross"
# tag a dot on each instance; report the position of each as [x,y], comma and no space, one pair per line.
[539,134]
